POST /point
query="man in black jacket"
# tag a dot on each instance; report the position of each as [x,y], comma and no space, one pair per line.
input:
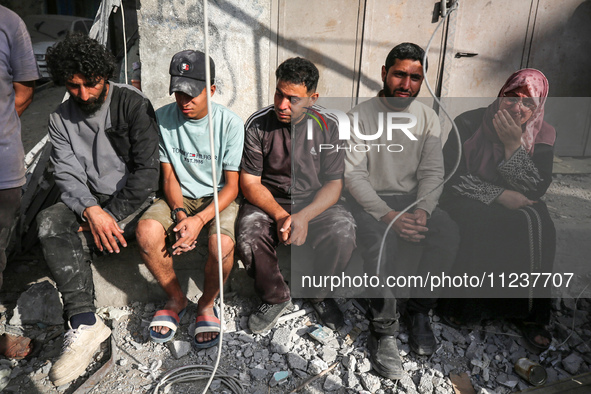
[105,154]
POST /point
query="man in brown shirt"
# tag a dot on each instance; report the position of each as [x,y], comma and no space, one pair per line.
[292,188]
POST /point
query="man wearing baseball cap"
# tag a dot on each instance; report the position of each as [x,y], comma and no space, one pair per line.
[172,224]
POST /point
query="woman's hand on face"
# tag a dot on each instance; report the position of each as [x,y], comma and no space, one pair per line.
[508,131]
[511,199]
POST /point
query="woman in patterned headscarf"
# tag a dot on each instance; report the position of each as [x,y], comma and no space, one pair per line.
[495,197]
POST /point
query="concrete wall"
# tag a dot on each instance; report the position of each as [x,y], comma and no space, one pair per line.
[238,40]
[349,41]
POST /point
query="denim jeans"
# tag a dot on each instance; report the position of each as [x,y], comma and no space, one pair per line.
[68,253]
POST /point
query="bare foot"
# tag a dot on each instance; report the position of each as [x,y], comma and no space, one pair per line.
[176,307]
[542,340]
[15,347]
[205,336]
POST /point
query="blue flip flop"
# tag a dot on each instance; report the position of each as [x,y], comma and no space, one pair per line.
[207,324]
[165,318]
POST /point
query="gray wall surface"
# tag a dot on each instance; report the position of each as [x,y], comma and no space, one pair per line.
[238,40]
[349,40]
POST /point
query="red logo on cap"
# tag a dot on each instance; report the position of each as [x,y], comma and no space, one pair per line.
[185,67]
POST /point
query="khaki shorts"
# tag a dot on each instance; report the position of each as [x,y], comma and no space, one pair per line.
[160,212]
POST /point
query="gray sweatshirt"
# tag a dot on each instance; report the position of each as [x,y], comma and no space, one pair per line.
[83,156]
[401,166]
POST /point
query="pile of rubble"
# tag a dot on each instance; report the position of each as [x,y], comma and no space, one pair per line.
[297,353]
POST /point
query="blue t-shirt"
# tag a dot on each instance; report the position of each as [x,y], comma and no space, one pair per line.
[184,143]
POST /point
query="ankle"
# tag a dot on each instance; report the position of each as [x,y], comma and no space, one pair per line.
[206,308]
[86,318]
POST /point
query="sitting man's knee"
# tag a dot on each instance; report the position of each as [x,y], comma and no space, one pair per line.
[344,232]
[148,231]
[50,222]
[227,244]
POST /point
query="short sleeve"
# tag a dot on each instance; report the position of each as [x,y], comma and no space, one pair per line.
[234,144]
[252,157]
[333,160]
[22,58]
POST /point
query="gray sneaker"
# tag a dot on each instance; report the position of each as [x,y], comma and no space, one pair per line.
[267,315]
[79,346]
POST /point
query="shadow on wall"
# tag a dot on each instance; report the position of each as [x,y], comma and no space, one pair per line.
[564,53]
[193,19]
[312,54]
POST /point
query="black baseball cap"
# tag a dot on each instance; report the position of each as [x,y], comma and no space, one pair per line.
[187,72]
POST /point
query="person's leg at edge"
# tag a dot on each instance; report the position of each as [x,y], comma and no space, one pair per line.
[151,238]
[10,202]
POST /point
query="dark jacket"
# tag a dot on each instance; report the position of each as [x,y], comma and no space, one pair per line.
[134,136]
[537,167]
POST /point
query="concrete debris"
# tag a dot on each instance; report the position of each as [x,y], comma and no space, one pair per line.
[287,356]
[111,313]
[295,361]
[329,355]
[179,349]
[41,303]
[259,373]
[282,340]
[370,382]
[363,366]
[248,352]
[407,384]
[410,366]
[316,366]
[425,384]
[349,362]
[351,380]
[153,371]
[452,335]
[136,345]
[333,383]
[572,363]
[508,380]
[244,337]
[4,378]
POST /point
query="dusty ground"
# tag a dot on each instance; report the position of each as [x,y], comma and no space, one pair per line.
[569,197]
[486,352]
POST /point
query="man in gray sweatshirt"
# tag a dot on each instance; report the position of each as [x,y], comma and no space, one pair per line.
[105,154]
[387,169]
